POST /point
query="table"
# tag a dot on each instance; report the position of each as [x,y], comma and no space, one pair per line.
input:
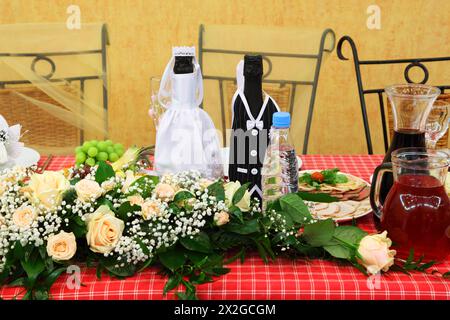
[283,279]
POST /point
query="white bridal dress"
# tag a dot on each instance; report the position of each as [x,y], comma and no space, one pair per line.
[186,138]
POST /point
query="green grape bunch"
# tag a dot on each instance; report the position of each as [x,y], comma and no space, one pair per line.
[93,151]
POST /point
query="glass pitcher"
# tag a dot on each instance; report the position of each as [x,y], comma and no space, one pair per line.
[416,212]
[411,104]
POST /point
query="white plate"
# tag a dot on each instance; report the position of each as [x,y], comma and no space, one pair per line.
[27,158]
[226,157]
[351,216]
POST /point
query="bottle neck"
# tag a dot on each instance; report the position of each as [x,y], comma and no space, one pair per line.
[279,136]
[253,93]
[183,91]
[253,72]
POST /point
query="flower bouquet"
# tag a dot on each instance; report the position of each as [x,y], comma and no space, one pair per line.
[121,221]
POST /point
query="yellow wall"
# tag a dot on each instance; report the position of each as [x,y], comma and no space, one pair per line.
[143,31]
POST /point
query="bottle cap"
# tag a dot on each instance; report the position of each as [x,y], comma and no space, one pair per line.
[281,120]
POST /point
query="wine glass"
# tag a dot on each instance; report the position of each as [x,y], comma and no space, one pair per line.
[156,109]
[437,123]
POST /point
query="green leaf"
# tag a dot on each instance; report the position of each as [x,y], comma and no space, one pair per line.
[51,278]
[317,197]
[126,271]
[99,270]
[19,251]
[33,268]
[172,283]
[338,251]
[410,257]
[41,295]
[446,275]
[249,226]
[239,194]
[182,195]
[105,202]
[146,184]
[197,258]
[126,208]
[216,189]
[294,206]
[144,248]
[319,234]
[349,234]
[172,259]
[237,213]
[423,267]
[146,264]
[200,242]
[19,282]
[77,226]
[104,172]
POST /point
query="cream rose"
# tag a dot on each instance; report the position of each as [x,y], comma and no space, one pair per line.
[164,191]
[88,190]
[204,183]
[108,185]
[221,218]
[136,200]
[130,178]
[230,190]
[62,246]
[47,189]
[104,230]
[150,209]
[375,253]
[24,216]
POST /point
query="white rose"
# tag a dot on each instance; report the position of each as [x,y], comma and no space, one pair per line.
[24,216]
[47,189]
[88,190]
[62,246]
[221,218]
[164,191]
[230,190]
[150,209]
[375,252]
[104,230]
[136,200]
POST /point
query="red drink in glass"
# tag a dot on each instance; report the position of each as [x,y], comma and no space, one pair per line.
[416,215]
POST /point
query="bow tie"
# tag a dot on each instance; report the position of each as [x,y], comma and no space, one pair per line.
[253,123]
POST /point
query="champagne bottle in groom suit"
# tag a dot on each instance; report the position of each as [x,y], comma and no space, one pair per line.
[252,118]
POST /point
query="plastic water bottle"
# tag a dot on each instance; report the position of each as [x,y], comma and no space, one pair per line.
[279,174]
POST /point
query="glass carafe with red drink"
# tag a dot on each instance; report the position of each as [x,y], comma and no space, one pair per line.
[416,211]
[411,105]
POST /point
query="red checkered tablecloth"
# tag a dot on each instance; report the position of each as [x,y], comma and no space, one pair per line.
[282,279]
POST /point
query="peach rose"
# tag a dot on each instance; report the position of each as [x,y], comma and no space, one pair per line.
[165,191]
[2,187]
[150,209]
[136,200]
[24,216]
[47,189]
[62,246]
[88,190]
[221,218]
[375,253]
[104,230]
